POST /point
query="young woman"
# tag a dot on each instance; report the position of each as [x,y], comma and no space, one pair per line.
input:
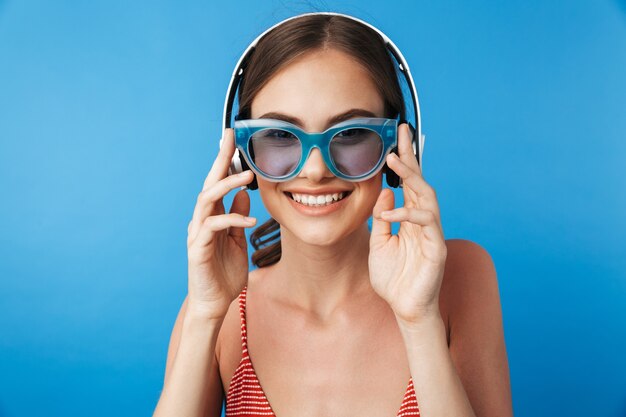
[337,320]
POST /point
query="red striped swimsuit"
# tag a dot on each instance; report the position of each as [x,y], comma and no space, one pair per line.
[245,397]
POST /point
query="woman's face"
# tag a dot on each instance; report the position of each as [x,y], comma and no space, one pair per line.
[311,91]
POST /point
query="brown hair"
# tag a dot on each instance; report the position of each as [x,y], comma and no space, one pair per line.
[285,43]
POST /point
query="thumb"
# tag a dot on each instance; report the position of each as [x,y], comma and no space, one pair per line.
[381,229]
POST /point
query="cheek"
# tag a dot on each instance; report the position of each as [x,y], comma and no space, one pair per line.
[370,191]
[271,197]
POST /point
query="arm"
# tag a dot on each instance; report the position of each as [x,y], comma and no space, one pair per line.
[217,255]
[471,378]
[407,270]
[192,385]
[438,388]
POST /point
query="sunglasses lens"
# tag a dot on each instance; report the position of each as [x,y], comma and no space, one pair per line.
[276,152]
[356,151]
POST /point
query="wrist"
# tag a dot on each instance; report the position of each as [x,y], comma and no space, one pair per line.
[203,315]
[425,323]
[201,328]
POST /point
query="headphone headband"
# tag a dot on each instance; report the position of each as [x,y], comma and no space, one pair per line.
[391,47]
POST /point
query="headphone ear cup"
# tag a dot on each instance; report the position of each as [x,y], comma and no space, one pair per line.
[392,178]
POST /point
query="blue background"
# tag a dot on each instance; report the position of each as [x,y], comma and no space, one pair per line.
[109,121]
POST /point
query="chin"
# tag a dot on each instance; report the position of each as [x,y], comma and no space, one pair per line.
[313,232]
[318,232]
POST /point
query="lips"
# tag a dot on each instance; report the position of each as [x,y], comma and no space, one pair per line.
[317,199]
[317,191]
[316,209]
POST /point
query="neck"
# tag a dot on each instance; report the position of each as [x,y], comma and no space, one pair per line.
[322,279]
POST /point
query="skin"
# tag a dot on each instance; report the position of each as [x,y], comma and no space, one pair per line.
[323,323]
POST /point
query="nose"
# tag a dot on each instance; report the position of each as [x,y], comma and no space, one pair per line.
[314,167]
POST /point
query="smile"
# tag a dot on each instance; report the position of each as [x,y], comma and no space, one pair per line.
[318,204]
[317,200]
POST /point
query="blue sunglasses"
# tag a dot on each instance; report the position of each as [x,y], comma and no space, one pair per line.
[353,150]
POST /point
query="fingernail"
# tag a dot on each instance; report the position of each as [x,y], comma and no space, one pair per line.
[249,219]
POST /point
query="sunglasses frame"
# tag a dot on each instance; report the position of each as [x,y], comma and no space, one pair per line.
[387,130]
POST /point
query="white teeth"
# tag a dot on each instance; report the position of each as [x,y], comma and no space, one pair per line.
[317,200]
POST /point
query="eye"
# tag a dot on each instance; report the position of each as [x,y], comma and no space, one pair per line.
[349,132]
[278,133]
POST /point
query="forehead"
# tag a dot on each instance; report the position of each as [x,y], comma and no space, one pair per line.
[317,86]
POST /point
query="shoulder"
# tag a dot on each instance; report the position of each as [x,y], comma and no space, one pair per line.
[469,278]
[467,254]
[229,344]
[470,288]
[477,345]
[469,267]
[230,332]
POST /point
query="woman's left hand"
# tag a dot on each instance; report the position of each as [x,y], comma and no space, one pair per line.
[406,269]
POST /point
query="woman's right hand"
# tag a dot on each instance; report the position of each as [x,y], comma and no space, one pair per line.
[216,243]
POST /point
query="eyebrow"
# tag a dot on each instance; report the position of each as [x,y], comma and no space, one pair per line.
[332,121]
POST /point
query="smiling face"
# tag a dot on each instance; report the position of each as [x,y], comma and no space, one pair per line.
[312,91]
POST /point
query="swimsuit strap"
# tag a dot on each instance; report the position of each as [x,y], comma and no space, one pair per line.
[242,314]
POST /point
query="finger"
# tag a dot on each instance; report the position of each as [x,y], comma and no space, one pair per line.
[208,198]
[241,205]
[422,194]
[213,224]
[381,229]
[223,186]
[220,166]
[424,218]
[405,148]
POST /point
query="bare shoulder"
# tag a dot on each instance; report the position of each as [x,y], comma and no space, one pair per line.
[469,267]
[469,288]
[477,345]
[227,330]
[464,261]
[228,345]
[230,330]
[467,254]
